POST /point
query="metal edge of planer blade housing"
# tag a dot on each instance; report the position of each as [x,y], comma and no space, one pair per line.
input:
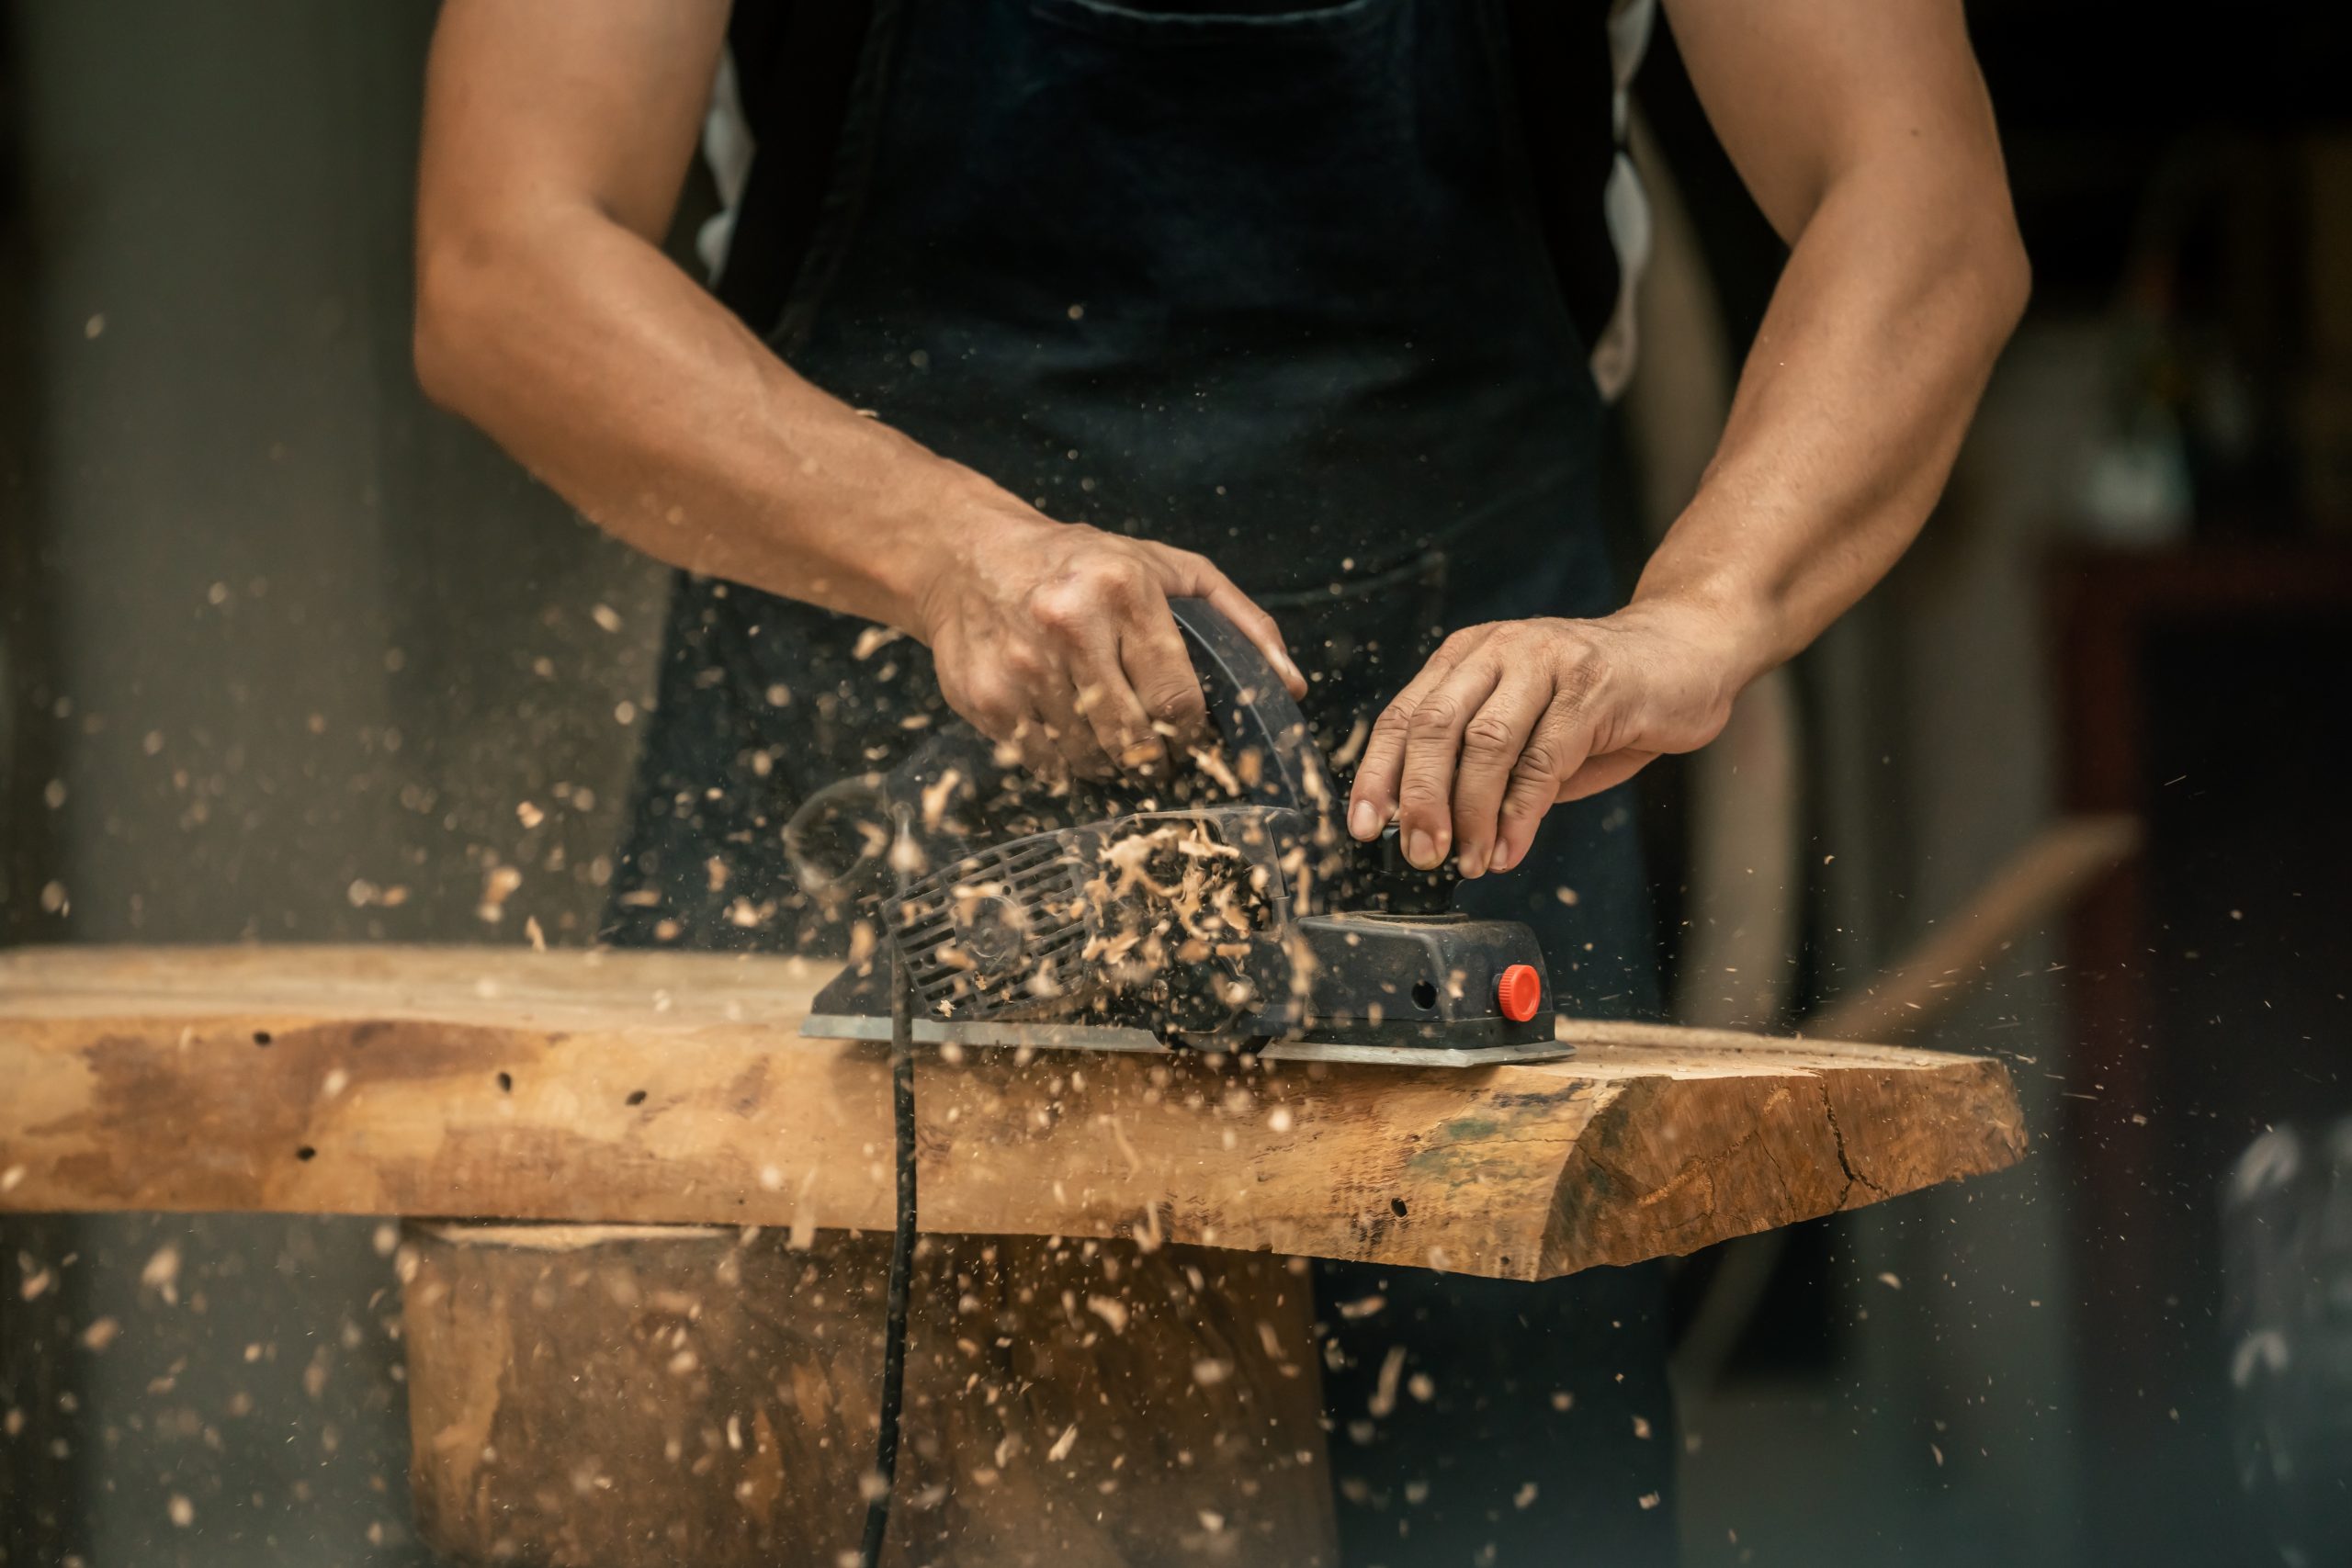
[1042,1036]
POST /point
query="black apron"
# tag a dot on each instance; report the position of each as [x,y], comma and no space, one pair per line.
[1270,286]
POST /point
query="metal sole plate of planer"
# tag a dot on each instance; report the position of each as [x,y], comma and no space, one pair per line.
[1041,1037]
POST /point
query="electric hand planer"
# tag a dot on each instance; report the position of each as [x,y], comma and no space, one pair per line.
[1226,910]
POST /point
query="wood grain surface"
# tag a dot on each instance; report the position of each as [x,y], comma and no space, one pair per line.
[674,1089]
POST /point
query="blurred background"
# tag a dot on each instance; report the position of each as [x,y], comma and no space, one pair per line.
[283,648]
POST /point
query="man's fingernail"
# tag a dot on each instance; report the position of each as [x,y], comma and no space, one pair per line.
[1504,857]
[1473,862]
[1363,820]
[1422,850]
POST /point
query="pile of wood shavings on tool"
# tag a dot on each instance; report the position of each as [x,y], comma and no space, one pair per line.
[1173,893]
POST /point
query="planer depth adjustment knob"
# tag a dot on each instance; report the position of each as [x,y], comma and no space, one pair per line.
[1518,991]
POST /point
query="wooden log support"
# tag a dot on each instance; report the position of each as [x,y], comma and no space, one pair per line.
[588,1396]
[673,1089]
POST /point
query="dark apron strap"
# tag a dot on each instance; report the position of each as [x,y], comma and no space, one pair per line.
[795,66]
[1564,82]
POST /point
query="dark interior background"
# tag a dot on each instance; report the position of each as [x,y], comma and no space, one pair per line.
[283,646]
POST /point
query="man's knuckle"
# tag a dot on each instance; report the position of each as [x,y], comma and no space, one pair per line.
[1538,760]
[1060,607]
[1435,714]
[1025,664]
[1176,700]
[1525,806]
[1489,735]
[1118,583]
[1591,670]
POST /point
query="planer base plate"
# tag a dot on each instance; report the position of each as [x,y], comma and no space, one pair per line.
[1039,1036]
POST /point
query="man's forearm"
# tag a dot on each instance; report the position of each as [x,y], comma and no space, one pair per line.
[623,386]
[1848,413]
[1862,380]
[1863,130]
[619,381]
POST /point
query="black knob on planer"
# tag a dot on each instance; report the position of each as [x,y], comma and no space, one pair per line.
[1387,881]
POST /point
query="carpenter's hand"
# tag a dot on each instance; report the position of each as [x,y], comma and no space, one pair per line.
[1508,718]
[1057,638]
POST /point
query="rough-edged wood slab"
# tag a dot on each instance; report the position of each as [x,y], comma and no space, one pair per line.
[673,1088]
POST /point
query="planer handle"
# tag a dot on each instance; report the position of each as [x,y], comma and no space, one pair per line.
[1252,710]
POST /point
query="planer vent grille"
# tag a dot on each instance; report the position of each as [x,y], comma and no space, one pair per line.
[999,932]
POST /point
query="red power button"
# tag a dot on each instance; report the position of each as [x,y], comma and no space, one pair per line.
[1520,992]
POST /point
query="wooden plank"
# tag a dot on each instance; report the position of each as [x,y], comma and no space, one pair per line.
[673,1088]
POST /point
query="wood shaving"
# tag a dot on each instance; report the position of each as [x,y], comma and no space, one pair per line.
[935,797]
[1353,747]
[1212,762]
[872,640]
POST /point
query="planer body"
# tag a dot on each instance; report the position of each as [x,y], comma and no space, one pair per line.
[1226,912]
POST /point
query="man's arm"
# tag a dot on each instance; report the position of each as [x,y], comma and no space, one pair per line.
[556,140]
[1863,129]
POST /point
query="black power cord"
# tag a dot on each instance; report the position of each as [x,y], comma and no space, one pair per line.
[903,1246]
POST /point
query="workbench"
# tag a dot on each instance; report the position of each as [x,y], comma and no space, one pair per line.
[649,1221]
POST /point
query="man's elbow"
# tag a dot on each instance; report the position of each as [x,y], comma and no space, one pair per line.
[458,284]
[1998,264]
[2009,274]
[434,335]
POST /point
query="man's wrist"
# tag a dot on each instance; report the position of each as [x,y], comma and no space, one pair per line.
[1737,631]
[951,523]
[907,537]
